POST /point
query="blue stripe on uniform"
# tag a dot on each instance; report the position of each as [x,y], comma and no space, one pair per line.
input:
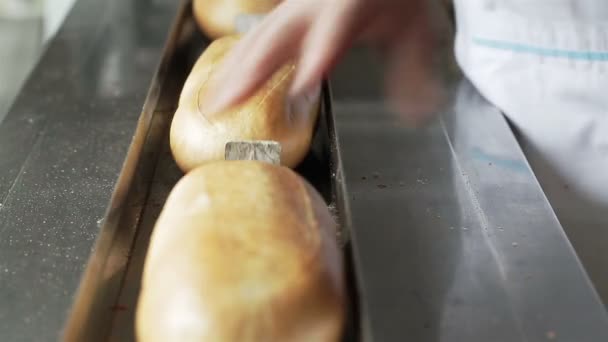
[523,48]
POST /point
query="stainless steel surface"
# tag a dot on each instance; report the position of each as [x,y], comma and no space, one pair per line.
[584,219]
[62,147]
[453,237]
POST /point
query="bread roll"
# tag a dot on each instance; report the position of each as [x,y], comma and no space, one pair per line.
[197,138]
[242,251]
[218,18]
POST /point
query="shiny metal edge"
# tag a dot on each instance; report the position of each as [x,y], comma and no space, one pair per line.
[356,324]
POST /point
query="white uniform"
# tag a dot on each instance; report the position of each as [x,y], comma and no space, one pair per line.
[544,63]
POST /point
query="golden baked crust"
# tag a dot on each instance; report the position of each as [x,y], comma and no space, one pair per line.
[197,138]
[242,251]
[217,18]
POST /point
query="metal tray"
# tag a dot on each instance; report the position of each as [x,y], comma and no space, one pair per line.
[105,307]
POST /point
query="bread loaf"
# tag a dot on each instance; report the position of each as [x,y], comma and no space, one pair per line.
[218,18]
[242,251]
[198,137]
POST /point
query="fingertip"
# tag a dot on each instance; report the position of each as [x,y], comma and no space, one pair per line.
[300,85]
[216,101]
[305,91]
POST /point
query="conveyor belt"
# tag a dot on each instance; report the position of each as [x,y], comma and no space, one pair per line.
[105,307]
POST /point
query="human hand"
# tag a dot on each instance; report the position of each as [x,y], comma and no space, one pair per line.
[316,33]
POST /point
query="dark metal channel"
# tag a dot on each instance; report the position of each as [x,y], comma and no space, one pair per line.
[106,306]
